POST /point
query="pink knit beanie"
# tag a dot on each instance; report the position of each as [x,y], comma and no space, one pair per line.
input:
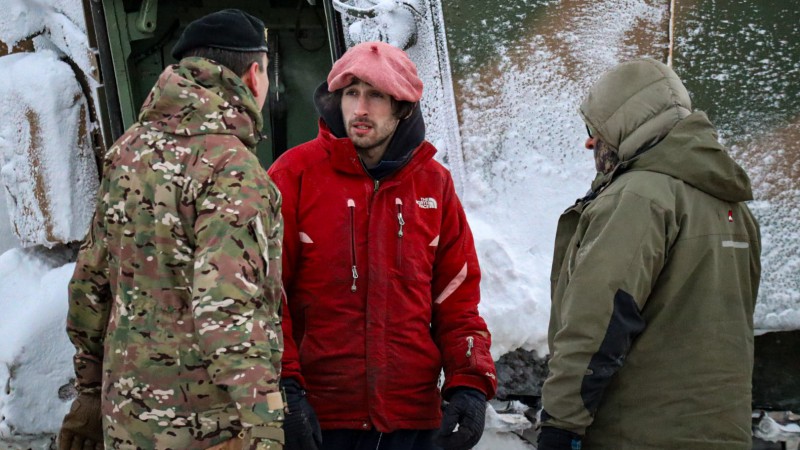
[385,67]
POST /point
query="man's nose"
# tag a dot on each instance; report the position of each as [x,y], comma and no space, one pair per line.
[590,143]
[361,106]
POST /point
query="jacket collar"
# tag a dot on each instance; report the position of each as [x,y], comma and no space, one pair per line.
[345,159]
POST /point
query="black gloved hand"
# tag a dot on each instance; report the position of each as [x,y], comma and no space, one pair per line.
[300,424]
[551,438]
[467,409]
[83,425]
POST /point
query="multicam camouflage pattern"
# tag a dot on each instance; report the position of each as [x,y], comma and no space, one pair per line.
[238,444]
[178,281]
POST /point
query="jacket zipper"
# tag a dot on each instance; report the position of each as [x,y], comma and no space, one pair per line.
[400,222]
[352,206]
[470,344]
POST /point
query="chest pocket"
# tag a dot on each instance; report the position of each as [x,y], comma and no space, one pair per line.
[415,231]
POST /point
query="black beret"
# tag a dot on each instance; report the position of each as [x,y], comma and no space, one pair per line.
[229,29]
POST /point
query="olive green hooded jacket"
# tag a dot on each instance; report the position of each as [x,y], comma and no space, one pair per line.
[654,280]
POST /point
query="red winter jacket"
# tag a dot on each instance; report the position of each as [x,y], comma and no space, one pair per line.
[382,287]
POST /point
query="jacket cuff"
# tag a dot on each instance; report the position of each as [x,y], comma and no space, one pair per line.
[261,414]
[483,383]
[449,393]
[551,438]
[88,374]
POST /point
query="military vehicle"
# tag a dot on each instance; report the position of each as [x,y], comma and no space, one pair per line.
[134,39]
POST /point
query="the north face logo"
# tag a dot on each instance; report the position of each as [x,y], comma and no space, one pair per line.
[427,203]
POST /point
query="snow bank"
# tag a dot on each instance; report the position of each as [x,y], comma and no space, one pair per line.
[36,355]
[7,238]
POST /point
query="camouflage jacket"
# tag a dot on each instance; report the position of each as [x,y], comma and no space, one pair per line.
[175,300]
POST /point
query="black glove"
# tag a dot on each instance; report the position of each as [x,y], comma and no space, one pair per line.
[551,438]
[300,424]
[83,425]
[467,409]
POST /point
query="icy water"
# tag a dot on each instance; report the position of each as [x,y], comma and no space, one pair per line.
[520,68]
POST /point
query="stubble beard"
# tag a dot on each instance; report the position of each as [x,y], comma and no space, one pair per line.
[605,157]
[366,144]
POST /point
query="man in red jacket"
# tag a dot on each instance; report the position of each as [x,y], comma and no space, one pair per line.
[381,274]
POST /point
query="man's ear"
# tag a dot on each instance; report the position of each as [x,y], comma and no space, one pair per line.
[251,79]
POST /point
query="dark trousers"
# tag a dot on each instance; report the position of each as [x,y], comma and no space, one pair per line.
[375,440]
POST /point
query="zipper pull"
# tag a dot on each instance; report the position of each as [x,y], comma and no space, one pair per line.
[377,185]
[355,277]
[470,344]
[400,220]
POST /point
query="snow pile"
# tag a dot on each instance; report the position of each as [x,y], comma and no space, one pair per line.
[49,182]
[504,431]
[47,166]
[7,238]
[36,356]
[770,430]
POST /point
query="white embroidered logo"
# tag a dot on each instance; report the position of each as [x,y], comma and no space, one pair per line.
[427,203]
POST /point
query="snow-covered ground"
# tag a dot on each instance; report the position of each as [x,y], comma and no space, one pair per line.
[519,75]
[36,357]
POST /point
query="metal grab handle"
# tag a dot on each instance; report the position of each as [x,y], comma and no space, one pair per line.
[371,12]
[147,16]
[354,11]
